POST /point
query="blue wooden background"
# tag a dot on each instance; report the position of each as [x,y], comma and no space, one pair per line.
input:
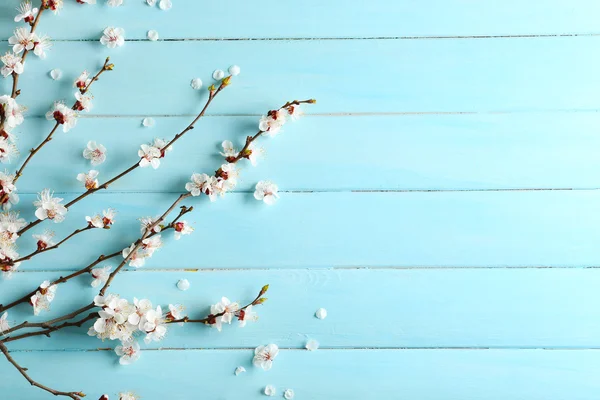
[441,200]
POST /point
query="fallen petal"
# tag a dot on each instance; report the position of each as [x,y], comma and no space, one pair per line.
[239,370]
[148,122]
[312,345]
[56,74]
[218,74]
[183,284]
[196,83]
[152,35]
[321,313]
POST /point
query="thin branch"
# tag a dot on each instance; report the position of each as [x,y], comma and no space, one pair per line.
[106,67]
[15,76]
[88,269]
[48,327]
[106,184]
[23,371]
[45,249]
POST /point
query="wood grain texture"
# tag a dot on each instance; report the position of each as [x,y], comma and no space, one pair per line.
[522,308]
[410,374]
[314,19]
[378,76]
[480,152]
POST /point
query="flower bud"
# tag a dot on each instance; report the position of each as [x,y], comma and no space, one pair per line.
[226,81]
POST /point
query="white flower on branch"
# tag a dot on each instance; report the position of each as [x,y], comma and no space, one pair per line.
[138,258]
[228,149]
[26,12]
[129,351]
[151,244]
[7,256]
[63,115]
[182,228]
[10,224]
[128,396]
[49,207]
[264,356]
[147,222]
[43,297]
[83,81]
[149,155]
[103,221]
[141,307]
[253,153]
[161,144]
[43,43]
[95,152]
[22,40]
[8,150]
[175,312]
[154,325]
[12,112]
[228,309]
[267,192]
[100,275]
[12,63]
[202,184]
[84,102]
[55,5]
[295,112]
[8,190]
[114,3]
[248,314]
[4,324]
[272,123]
[113,37]
[44,240]
[89,180]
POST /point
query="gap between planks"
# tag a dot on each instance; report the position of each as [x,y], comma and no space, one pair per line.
[347,38]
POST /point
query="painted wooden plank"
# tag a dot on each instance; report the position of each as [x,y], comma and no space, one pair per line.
[407,374]
[505,151]
[345,76]
[449,229]
[313,18]
[481,308]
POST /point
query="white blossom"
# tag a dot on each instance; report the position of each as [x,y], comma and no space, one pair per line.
[138,258]
[272,123]
[182,228]
[149,155]
[225,307]
[114,3]
[103,221]
[42,44]
[4,324]
[13,112]
[7,150]
[44,239]
[100,275]
[8,190]
[141,308]
[161,144]
[64,115]
[196,83]
[12,63]
[147,222]
[129,351]
[89,179]
[22,40]
[270,390]
[128,396]
[165,4]
[82,81]
[264,356]
[175,312]
[267,192]
[113,37]
[49,207]
[295,111]
[43,297]
[10,225]
[55,5]
[94,152]
[7,256]
[151,3]
[218,74]
[154,325]
[228,149]
[202,184]
[321,313]
[84,102]
[151,244]
[26,12]
[288,394]
[253,153]
[248,314]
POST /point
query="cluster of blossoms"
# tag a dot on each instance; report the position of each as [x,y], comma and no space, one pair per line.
[10,225]
[43,297]
[121,320]
[11,116]
[150,154]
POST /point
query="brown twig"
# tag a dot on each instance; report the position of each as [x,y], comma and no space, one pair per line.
[23,371]
[106,67]
[48,327]
[106,184]
[15,76]
[88,269]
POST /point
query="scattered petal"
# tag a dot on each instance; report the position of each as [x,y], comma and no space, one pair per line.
[270,390]
[239,370]
[152,35]
[218,74]
[148,122]
[288,394]
[56,74]
[312,345]
[234,70]
[165,4]
[321,313]
[196,83]
[151,3]
[113,37]
[183,284]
